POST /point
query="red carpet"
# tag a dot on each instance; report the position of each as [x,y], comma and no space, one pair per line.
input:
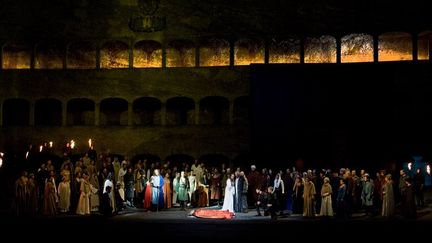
[213,214]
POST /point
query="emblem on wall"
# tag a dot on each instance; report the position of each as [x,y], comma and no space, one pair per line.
[147,20]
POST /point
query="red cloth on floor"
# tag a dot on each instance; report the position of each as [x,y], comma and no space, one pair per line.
[213,214]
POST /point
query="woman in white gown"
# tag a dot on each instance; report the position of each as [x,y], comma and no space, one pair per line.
[228,203]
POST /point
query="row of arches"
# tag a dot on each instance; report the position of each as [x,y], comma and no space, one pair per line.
[393,46]
[144,111]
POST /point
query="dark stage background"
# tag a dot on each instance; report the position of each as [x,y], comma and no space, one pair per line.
[376,114]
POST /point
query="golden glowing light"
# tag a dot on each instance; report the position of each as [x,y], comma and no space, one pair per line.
[215,52]
[27,154]
[1,154]
[40,148]
[90,143]
[357,48]
[410,166]
[424,41]
[248,51]
[50,144]
[49,56]
[114,55]
[428,169]
[1,162]
[320,50]
[180,55]
[147,54]
[81,55]
[285,51]
[394,46]
[72,144]
[16,56]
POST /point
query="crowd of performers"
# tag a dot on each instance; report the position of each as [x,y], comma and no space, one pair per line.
[104,185]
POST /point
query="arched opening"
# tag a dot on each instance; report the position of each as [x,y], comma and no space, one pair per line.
[180,53]
[357,48]
[320,50]
[395,46]
[147,53]
[214,160]
[49,56]
[81,55]
[16,112]
[214,110]
[48,112]
[147,111]
[180,160]
[180,111]
[81,112]
[16,56]
[214,52]
[284,51]
[114,112]
[424,43]
[114,54]
[242,110]
[247,51]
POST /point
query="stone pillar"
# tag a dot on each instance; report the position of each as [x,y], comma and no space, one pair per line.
[231,112]
[64,113]
[33,57]
[98,57]
[338,49]
[375,47]
[302,50]
[267,52]
[197,56]
[415,47]
[232,56]
[197,112]
[130,113]
[32,113]
[164,61]
[163,113]
[131,57]
[97,114]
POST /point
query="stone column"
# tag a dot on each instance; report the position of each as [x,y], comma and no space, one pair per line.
[375,47]
[232,56]
[32,113]
[231,112]
[197,55]
[338,49]
[302,50]
[164,58]
[97,113]
[163,113]
[64,113]
[33,58]
[266,51]
[130,113]
[415,47]
[197,112]
[98,57]
[131,57]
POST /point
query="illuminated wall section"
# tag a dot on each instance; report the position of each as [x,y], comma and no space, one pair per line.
[214,52]
[81,55]
[394,46]
[114,54]
[147,54]
[16,56]
[49,56]
[357,48]
[320,50]
[284,51]
[180,53]
[248,51]
[424,41]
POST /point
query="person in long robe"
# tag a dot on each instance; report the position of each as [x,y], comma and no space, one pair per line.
[183,190]
[367,196]
[308,197]
[298,196]
[175,189]
[410,209]
[64,193]
[215,186]
[228,203]
[94,195]
[139,176]
[326,199]
[238,199]
[148,196]
[129,187]
[279,190]
[167,191]
[108,182]
[83,207]
[193,185]
[288,186]
[50,198]
[340,201]
[33,194]
[388,206]
[21,194]
[157,183]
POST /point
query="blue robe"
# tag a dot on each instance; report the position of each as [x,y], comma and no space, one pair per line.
[157,184]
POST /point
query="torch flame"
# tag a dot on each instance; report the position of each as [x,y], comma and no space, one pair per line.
[90,143]
[72,144]
[428,169]
[50,144]
[40,148]
[409,166]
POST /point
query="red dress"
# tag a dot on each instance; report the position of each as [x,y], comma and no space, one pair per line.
[148,197]
[213,214]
